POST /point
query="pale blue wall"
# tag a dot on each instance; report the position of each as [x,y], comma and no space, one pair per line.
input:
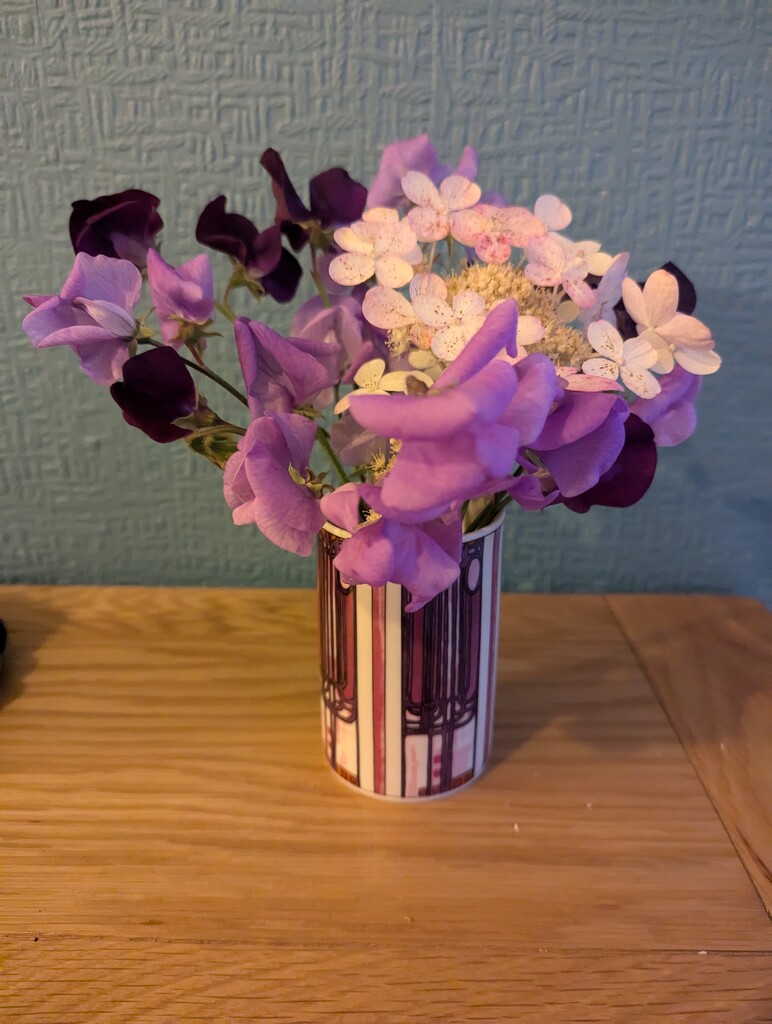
[650,118]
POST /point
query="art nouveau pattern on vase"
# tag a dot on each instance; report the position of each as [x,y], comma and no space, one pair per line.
[407,698]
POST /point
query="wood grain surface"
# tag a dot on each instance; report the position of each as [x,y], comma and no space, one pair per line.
[175,849]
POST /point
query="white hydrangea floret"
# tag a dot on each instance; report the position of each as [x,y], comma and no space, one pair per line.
[676,337]
[379,245]
[631,359]
[435,208]
[372,379]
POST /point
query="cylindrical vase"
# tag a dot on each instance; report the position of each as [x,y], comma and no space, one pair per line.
[408,697]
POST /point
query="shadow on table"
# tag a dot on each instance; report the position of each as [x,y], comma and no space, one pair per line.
[29,621]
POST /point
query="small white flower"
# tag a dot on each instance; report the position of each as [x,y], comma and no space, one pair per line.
[608,293]
[371,379]
[493,230]
[588,251]
[630,360]
[453,324]
[433,214]
[388,309]
[676,337]
[550,264]
[379,244]
[553,214]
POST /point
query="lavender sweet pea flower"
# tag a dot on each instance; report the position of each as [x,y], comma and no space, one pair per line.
[629,478]
[156,389]
[260,253]
[341,322]
[671,413]
[283,374]
[259,488]
[92,314]
[122,225]
[424,558]
[582,439]
[335,199]
[465,430]
[182,296]
[417,154]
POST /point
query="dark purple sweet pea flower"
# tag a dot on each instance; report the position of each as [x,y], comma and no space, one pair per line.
[417,154]
[335,199]
[581,439]
[671,413]
[123,225]
[182,296]
[466,430]
[259,253]
[422,557]
[629,477]
[260,489]
[93,314]
[283,374]
[156,389]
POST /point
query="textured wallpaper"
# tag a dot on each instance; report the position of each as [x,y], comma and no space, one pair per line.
[650,118]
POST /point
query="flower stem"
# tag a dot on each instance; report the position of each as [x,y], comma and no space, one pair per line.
[205,370]
[226,310]
[324,440]
[317,278]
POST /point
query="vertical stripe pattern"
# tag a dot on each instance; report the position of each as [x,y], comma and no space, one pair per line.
[408,698]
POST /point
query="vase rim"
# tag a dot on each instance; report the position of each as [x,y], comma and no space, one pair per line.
[337,531]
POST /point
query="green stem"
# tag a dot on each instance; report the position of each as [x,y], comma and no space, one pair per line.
[323,438]
[205,370]
[317,278]
[226,311]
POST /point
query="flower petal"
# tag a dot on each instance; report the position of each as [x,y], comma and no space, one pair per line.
[458,193]
[391,271]
[606,340]
[553,213]
[607,368]
[428,224]
[698,361]
[661,296]
[421,190]
[352,268]
[387,308]
[640,382]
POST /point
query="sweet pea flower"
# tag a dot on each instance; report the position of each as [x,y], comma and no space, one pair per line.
[417,154]
[261,485]
[335,198]
[671,414]
[283,374]
[676,337]
[467,428]
[629,359]
[372,379]
[343,324]
[182,296]
[630,476]
[156,390]
[379,244]
[422,557]
[433,215]
[122,225]
[581,439]
[259,253]
[549,264]
[492,231]
[93,314]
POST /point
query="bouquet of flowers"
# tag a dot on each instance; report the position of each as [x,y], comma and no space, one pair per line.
[462,353]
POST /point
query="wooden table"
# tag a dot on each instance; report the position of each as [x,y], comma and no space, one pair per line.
[175,850]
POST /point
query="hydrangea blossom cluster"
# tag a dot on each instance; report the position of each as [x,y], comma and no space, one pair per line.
[462,353]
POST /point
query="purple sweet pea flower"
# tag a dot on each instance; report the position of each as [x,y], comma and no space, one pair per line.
[581,439]
[424,558]
[283,374]
[335,199]
[260,253]
[342,322]
[182,296]
[629,477]
[417,154]
[671,413]
[156,389]
[259,488]
[92,314]
[466,430]
[123,225]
